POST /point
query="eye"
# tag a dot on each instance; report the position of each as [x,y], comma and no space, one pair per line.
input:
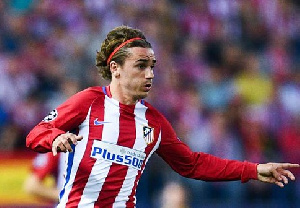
[142,66]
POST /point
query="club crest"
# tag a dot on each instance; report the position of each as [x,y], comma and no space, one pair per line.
[148,134]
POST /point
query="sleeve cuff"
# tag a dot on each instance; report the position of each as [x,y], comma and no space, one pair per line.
[249,172]
[54,135]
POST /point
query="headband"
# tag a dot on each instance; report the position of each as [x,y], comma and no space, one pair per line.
[120,46]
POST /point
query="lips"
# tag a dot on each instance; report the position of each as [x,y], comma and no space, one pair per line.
[148,86]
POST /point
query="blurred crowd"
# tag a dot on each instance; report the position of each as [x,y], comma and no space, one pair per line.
[227,78]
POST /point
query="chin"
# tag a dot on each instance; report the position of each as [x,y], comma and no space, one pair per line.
[142,96]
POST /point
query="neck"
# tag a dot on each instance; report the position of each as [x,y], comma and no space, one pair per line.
[121,94]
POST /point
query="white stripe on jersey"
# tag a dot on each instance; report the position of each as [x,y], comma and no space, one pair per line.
[78,154]
[62,164]
[100,172]
[154,149]
[139,144]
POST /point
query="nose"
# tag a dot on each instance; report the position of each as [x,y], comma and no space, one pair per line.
[149,73]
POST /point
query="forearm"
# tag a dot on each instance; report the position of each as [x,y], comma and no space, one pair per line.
[206,167]
[211,168]
[41,137]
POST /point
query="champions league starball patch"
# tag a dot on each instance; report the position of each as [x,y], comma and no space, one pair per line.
[51,116]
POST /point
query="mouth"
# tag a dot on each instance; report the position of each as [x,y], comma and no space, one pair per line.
[148,86]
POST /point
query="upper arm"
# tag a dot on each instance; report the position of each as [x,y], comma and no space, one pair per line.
[66,117]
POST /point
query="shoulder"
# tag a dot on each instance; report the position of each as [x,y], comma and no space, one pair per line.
[95,91]
[152,109]
[81,101]
[159,117]
[88,94]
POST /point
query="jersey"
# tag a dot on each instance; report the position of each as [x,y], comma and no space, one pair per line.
[105,167]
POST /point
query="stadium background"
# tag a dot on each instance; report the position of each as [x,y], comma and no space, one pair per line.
[227,78]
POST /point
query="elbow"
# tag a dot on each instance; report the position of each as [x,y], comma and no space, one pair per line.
[28,143]
[188,171]
[36,148]
[33,145]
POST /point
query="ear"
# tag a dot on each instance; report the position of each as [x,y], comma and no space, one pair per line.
[114,69]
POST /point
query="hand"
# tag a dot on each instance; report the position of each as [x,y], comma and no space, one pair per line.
[63,143]
[276,173]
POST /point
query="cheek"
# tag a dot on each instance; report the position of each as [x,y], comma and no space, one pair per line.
[135,77]
[131,82]
[134,83]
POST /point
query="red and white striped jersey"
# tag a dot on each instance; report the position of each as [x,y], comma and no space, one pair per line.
[118,140]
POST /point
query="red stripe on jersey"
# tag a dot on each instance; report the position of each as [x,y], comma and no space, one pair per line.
[87,163]
[117,173]
[131,201]
[152,122]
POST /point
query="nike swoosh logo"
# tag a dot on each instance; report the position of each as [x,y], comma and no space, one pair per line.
[98,123]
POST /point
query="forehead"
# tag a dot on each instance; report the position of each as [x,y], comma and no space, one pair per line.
[137,53]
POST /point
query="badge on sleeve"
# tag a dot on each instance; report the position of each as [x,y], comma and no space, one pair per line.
[148,134]
[51,116]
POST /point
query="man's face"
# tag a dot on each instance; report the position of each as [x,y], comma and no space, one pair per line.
[136,74]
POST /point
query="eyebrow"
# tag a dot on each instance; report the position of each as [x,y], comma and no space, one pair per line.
[146,60]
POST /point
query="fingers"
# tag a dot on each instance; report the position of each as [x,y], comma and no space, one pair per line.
[284,179]
[287,173]
[280,172]
[276,173]
[282,175]
[280,184]
[289,165]
[64,141]
[54,149]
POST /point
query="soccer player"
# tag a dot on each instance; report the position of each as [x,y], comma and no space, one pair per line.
[111,132]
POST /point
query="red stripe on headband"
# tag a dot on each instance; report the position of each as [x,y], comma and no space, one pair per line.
[120,46]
